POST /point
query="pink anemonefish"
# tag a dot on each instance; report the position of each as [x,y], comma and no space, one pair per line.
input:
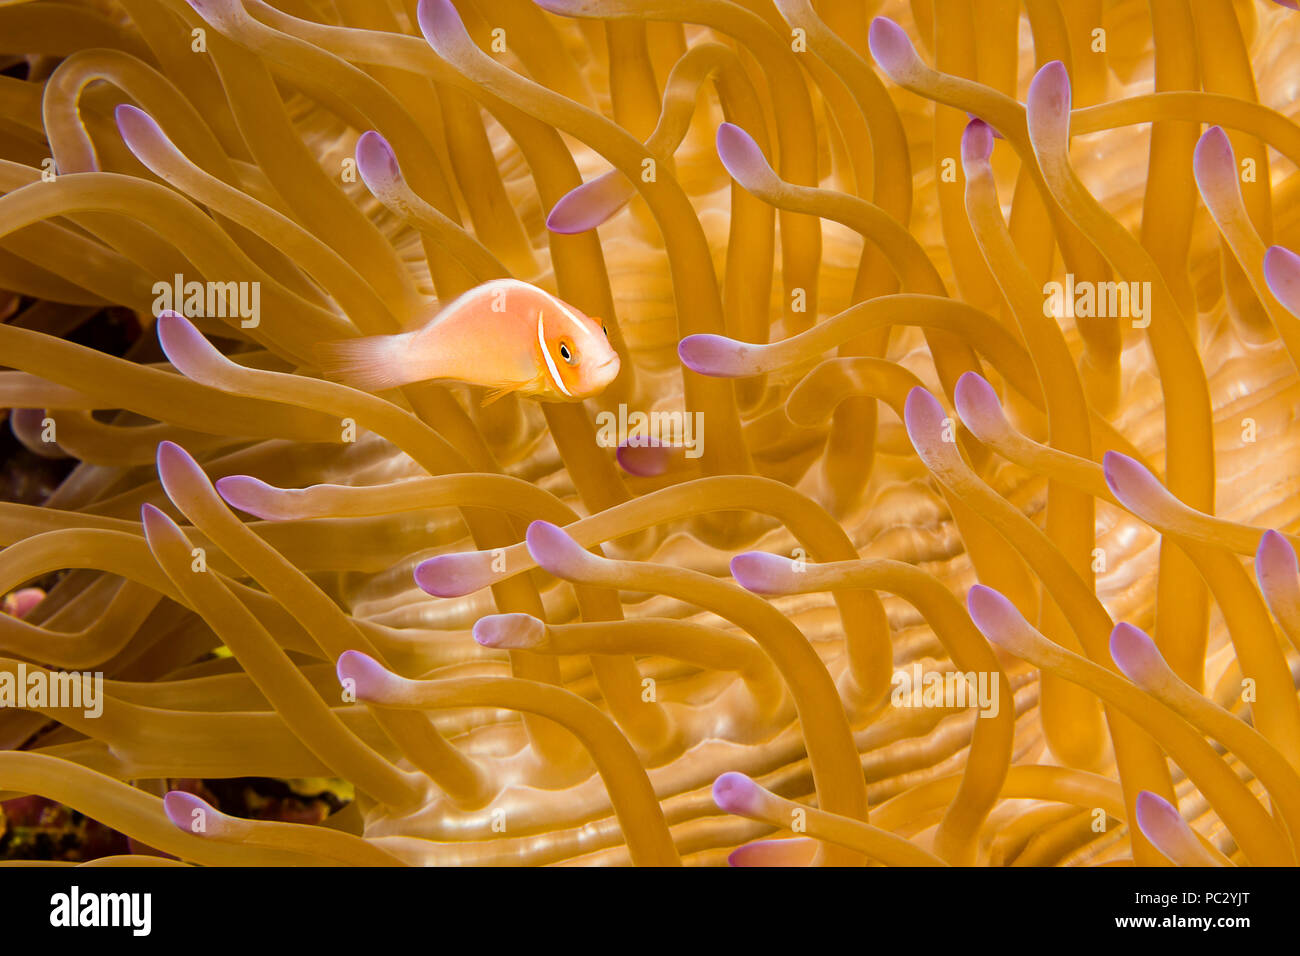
[505,335]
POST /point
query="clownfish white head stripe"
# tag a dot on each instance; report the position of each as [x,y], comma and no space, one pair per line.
[551,367]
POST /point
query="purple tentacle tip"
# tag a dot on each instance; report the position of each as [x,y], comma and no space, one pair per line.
[1051,86]
[788,852]
[366,675]
[1128,480]
[890,47]
[646,459]
[182,343]
[175,332]
[552,548]
[175,466]
[243,492]
[1289,4]
[992,613]
[177,471]
[1276,551]
[454,575]
[1275,562]
[170,456]
[762,573]
[589,205]
[714,355]
[923,416]
[1158,819]
[1134,653]
[1048,103]
[220,13]
[509,630]
[181,808]
[741,156]
[1213,155]
[1282,273]
[976,142]
[174,459]
[135,125]
[979,408]
[438,18]
[736,793]
[154,520]
[376,162]
[992,129]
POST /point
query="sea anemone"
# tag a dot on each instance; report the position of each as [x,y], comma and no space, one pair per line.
[959,356]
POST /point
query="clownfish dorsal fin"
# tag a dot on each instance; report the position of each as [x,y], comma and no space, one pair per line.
[551,367]
[424,315]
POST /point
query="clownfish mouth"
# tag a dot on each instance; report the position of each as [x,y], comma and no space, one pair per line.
[605,372]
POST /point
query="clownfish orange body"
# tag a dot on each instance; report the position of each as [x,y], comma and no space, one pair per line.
[505,335]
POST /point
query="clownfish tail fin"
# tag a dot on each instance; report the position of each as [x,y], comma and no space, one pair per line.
[373,363]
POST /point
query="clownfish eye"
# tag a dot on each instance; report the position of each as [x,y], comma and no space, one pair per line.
[567,354]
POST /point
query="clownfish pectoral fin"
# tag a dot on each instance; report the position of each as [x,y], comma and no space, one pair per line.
[496,394]
[372,364]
